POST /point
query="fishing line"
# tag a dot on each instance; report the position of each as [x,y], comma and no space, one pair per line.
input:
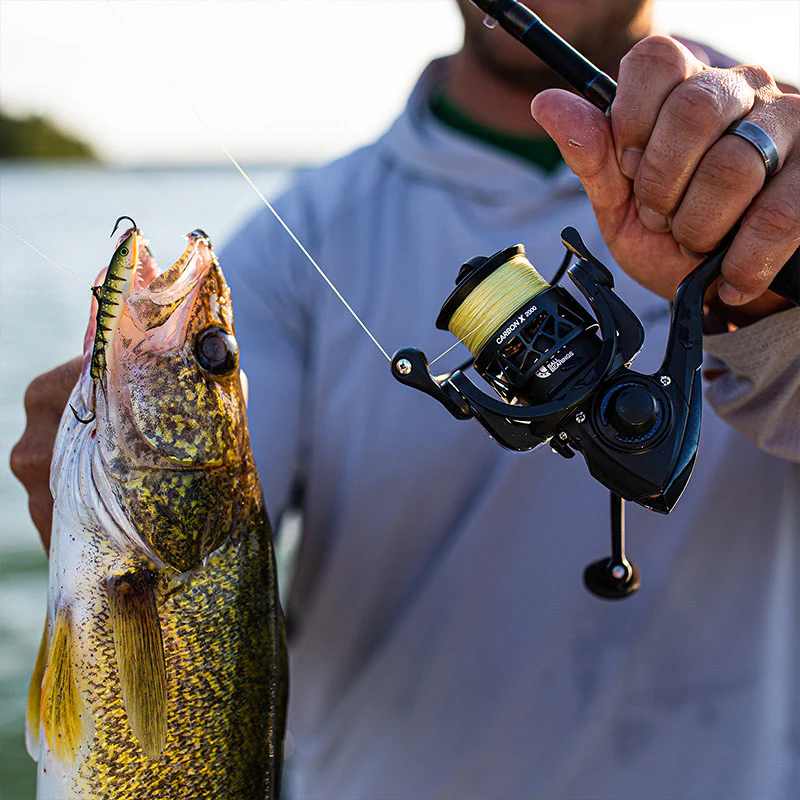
[46,258]
[453,346]
[258,192]
[494,300]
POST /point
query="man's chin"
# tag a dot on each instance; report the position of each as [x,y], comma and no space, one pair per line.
[528,74]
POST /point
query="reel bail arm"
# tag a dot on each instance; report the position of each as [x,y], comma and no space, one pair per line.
[410,366]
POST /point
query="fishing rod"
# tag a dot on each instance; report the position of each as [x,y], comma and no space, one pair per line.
[563,375]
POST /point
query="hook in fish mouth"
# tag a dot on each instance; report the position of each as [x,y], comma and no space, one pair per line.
[116,224]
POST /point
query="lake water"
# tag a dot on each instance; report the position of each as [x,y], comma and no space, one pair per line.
[67,213]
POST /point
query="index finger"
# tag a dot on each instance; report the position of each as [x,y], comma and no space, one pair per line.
[648,74]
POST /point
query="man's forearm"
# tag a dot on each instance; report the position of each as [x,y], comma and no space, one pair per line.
[757,390]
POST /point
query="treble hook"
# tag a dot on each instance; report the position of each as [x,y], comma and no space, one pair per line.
[92,415]
[91,418]
[116,224]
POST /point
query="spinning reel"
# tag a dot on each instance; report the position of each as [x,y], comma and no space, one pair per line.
[565,377]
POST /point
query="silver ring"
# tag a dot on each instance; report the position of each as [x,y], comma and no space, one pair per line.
[761,140]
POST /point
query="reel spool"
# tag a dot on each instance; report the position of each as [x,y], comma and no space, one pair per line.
[531,341]
[563,377]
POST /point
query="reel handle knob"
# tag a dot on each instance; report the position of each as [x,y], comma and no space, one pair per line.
[612,580]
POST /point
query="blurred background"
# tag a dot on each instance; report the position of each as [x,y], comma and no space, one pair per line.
[95,122]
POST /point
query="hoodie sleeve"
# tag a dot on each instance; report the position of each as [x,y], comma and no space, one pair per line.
[758,393]
[269,280]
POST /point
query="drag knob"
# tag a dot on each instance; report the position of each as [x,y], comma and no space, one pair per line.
[633,411]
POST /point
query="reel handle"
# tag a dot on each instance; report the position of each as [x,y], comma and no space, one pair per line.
[614,578]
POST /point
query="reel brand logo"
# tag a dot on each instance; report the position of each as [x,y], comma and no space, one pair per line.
[547,369]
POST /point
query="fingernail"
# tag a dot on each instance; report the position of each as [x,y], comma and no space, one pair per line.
[729,295]
[653,221]
[629,162]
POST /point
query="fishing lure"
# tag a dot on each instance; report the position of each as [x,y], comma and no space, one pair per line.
[109,308]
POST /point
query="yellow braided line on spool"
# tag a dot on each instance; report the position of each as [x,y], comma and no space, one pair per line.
[494,300]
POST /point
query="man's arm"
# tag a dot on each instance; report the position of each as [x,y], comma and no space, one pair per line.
[757,391]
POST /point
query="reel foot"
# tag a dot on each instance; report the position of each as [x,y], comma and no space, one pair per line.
[612,580]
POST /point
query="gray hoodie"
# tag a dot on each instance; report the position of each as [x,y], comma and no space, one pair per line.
[443,645]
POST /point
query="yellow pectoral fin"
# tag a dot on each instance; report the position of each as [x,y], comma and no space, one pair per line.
[33,716]
[140,657]
[64,713]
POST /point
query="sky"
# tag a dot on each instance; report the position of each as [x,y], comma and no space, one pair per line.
[276,80]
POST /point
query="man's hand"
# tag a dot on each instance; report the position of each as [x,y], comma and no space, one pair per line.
[45,400]
[667,184]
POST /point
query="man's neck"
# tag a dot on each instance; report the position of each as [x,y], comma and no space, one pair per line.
[490,101]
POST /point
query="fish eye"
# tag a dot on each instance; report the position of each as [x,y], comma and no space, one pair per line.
[123,251]
[216,351]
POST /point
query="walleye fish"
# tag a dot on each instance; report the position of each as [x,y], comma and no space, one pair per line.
[162,672]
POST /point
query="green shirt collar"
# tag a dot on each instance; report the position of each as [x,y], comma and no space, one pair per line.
[541,152]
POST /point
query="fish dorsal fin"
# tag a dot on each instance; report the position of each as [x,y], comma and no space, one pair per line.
[140,657]
[64,714]
[33,715]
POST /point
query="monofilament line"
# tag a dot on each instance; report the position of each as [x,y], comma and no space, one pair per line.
[261,197]
[458,342]
[46,258]
[300,245]
[294,238]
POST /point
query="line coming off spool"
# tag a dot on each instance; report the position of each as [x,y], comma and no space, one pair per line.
[494,300]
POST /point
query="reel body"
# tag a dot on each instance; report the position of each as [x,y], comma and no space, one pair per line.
[565,377]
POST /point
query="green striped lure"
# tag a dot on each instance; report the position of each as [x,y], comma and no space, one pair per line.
[110,295]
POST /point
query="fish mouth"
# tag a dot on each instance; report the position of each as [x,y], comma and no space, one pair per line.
[134,300]
[156,295]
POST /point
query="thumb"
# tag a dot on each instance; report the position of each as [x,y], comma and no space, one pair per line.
[583,135]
